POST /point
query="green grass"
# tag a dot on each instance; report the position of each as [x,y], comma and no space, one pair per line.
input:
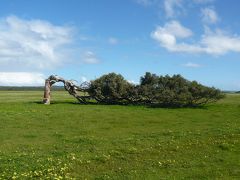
[69,140]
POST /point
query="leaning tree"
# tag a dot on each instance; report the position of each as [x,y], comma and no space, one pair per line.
[76,91]
[153,90]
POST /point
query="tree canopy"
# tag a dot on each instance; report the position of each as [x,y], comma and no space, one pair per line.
[110,88]
[169,91]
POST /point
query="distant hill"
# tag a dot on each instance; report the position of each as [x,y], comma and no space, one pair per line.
[238,92]
[29,88]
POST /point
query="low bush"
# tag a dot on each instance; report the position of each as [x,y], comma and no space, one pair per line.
[168,91]
[111,88]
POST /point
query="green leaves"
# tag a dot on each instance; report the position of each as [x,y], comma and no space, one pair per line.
[111,88]
[168,91]
[176,91]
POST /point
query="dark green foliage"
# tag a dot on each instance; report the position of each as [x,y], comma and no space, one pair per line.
[175,91]
[201,94]
[111,88]
[167,91]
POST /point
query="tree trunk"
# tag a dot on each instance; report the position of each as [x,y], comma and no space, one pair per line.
[68,85]
[47,91]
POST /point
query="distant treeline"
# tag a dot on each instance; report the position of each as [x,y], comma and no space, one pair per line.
[231,92]
[29,88]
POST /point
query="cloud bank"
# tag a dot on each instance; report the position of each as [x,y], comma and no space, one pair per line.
[32,43]
[172,35]
[21,79]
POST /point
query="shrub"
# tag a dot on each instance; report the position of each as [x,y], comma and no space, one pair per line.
[174,91]
[111,88]
[202,94]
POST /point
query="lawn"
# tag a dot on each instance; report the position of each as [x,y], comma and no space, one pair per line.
[70,140]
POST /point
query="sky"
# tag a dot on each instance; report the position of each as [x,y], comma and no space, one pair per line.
[84,39]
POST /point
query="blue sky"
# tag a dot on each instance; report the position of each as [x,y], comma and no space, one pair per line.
[82,40]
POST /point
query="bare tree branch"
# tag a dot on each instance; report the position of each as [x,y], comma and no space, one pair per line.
[68,85]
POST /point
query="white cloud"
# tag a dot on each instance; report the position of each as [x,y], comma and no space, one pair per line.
[90,58]
[176,29]
[170,7]
[219,43]
[32,43]
[214,43]
[133,82]
[209,15]
[21,79]
[168,34]
[113,41]
[83,79]
[192,65]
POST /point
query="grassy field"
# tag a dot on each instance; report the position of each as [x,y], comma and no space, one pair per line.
[69,140]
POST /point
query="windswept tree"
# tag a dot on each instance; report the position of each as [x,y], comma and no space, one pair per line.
[203,94]
[112,88]
[175,91]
